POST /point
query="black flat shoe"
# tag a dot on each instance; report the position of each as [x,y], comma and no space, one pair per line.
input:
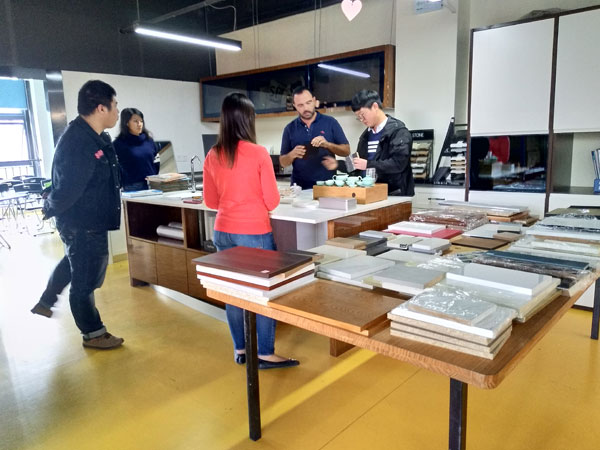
[240,358]
[262,364]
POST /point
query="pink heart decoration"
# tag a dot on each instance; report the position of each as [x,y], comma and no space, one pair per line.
[351,8]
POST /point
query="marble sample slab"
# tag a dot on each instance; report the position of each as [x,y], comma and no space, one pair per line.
[356,267]
[516,281]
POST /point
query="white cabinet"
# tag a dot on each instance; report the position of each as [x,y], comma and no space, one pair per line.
[577,102]
[511,79]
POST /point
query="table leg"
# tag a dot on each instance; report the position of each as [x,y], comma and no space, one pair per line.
[337,348]
[252,375]
[458,415]
[596,313]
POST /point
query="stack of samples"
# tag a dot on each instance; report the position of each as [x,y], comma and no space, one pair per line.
[373,245]
[432,246]
[490,236]
[553,248]
[254,274]
[331,253]
[458,162]
[353,270]
[377,234]
[422,229]
[407,256]
[568,227]
[570,273]
[357,244]
[408,280]
[168,182]
[170,234]
[420,159]
[495,213]
[453,319]
[525,292]
[452,218]
[403,242]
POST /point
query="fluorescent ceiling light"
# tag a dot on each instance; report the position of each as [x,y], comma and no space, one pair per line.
[354,73]
[206,41]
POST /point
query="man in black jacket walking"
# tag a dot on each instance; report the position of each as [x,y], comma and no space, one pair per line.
[385,145]
[85,199]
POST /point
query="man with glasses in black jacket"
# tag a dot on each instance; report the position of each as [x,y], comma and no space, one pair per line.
[85,200]
[385,146]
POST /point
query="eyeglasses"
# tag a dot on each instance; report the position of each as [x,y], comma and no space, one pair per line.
[360,117]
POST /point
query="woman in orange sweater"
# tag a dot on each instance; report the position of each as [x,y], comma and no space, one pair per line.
[239,182]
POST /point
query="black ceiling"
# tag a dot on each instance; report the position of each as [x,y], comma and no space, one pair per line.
[84,35]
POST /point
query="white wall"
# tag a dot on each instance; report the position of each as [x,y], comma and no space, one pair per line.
[310,35]
[171,109]
[425,69]
[425,59]
[43,126]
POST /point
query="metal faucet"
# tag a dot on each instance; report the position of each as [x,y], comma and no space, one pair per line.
[193,186]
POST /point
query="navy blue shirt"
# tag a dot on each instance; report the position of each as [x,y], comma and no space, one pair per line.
[306,172]
[136,157]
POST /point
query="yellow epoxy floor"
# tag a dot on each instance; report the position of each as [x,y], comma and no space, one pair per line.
[174,384]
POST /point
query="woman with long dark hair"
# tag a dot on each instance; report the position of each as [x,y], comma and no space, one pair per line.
[136,151]
[239,182]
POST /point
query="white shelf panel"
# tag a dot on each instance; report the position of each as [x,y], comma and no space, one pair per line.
[578,73]
[511,78]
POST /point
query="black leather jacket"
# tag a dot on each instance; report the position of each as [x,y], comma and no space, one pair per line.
[392,159]
[85,181]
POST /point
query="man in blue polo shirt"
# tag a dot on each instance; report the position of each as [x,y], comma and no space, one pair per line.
[308,139]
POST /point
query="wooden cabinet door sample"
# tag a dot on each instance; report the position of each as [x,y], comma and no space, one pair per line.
[142,260]
[171,268]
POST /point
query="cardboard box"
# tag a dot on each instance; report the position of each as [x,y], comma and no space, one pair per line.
[362,195]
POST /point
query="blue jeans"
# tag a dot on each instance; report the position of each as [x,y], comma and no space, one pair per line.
[265,326]
[84,266]
[138,186]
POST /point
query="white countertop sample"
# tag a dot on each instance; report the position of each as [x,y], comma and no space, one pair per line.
[284,211]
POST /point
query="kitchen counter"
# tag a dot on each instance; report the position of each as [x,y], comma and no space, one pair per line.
[285,211]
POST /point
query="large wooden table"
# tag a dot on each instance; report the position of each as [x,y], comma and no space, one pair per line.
[462,369]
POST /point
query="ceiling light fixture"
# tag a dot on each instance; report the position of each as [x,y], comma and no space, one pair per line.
[148,28]
[354,73]
[205,41]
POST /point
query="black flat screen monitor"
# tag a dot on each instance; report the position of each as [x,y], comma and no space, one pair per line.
[209,141]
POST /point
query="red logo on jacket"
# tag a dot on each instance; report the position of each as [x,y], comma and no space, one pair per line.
[99,154]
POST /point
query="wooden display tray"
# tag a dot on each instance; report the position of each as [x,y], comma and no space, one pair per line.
[362,195]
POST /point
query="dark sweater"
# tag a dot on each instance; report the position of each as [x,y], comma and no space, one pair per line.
[136,157]
[85,181]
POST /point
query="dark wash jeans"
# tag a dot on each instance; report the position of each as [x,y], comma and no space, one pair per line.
[84,266]
[265,326]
